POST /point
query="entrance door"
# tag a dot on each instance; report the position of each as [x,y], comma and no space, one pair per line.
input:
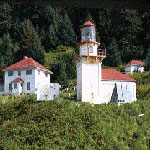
[21,88]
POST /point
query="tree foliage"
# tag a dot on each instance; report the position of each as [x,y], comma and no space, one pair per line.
[35,29]
[113,58]
[62,63]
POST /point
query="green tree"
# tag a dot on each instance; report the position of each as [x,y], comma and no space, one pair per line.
[113,58]
[6,52]
[66,32]
[61,62]
[49,28]
[5,18]
[30,44]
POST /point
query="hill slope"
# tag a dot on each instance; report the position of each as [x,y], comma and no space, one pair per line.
[62,124]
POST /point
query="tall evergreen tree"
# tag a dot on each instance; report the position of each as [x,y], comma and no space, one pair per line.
[5,18]
[66,34]
[6,52]
[113,58]
[30,44]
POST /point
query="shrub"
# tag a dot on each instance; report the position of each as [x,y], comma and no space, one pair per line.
[65,124]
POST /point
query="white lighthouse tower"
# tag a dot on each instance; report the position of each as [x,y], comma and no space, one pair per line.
[89,66]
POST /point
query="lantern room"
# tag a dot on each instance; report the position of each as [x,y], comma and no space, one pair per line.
[88,32]
[88,45]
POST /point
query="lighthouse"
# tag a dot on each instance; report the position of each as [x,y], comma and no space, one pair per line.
[89,87]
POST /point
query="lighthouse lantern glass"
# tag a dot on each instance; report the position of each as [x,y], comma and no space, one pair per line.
[88,33]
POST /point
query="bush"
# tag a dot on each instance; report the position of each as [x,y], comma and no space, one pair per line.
[143,85]
[65,124]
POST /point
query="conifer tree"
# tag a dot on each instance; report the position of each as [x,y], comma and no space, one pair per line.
[66,34]
[114,97]
[113,58]
[63,77]
[5,18]
[6,52]
[30,44]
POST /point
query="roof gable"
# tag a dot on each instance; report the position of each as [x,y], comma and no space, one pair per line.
[112,74]
[26,63]
[135,62]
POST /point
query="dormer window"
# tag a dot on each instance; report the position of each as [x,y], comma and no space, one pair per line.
[28,72]
[10,73]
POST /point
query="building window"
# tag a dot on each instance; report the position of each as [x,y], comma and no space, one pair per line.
[121,101]
[15,85]
[10,86]
[10,73]
[91,49]
[38,72]
[28,72]
[46,74]
[28,85]
[19,73]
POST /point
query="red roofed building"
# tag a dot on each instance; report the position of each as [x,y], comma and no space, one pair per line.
[27,63]
[125,86]
[28,77]
[134,66]
[112,74]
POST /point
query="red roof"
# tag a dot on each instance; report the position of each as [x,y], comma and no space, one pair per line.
[88,23]
[133,62]
[17,80]
[26,63]
[112,74]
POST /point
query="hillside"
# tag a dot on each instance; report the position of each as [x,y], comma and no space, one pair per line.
[63,124]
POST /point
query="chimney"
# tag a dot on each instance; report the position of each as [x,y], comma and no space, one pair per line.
[25,57]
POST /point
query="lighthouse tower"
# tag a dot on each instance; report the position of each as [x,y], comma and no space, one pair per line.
[89,66]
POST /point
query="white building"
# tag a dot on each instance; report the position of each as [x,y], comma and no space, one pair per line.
[29,77]
[125,86]
[134,66]
[93,84]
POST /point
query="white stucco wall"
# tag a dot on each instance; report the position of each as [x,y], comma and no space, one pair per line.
[126,90]
[56,87]
[41,80]
[79,79]
[88,82]
[24,77]
[134,68]
[49,92]
[36,81]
